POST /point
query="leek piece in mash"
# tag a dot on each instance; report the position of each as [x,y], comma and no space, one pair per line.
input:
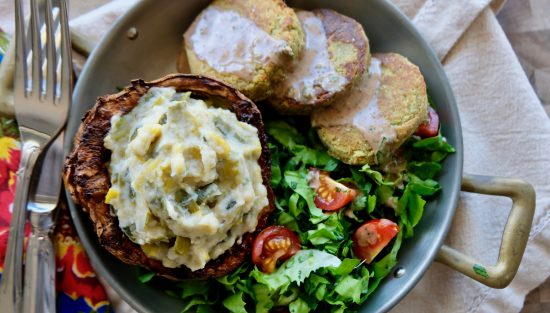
[185,178]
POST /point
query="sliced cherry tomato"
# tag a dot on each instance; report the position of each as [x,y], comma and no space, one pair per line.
[429,128]
[273,244]
[372,237]
[330,195]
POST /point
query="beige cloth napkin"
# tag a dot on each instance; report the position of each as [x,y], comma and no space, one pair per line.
[506,133]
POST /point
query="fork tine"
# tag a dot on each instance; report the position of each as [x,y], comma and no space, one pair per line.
[36,50]
[66,60]
[20,90]
[51,63]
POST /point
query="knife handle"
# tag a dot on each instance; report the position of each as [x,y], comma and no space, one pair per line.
[11,285]
[39,292]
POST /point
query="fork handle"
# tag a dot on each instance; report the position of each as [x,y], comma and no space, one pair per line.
[11,289]
[39,293]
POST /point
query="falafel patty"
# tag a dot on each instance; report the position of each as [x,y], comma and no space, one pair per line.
[378,115]
[245,43]
[335,56]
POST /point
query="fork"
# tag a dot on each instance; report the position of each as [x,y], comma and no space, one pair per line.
[42,95]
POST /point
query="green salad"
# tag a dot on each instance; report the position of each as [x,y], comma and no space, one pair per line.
[325,274]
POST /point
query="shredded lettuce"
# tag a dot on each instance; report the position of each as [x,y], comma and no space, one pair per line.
[146,277]
[297,181]
[424,170]
[234,303]
[294,141]
[376,176]
[437,143]
[296,269]
[298,306]
[325,276]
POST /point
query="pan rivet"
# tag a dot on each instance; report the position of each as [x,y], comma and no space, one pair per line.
[399,272]
[132,33]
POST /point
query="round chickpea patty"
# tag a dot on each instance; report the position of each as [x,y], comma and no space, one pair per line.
[245,43]
[335,57]
[378,115]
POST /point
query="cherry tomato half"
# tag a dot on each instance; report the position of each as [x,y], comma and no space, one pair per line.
[330,195]
[371,237]
[429,128]
[272,244]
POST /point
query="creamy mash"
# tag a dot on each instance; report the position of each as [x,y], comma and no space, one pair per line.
[186,183]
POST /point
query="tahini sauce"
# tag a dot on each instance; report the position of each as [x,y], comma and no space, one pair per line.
[361,109]
[313,73]
[231,43]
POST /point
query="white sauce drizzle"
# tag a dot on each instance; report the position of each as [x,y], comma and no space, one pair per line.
[231,43]
[314,73]
[361,109]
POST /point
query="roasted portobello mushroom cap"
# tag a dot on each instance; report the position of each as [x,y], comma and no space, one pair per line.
[86,174]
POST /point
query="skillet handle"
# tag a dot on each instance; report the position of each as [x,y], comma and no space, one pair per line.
[514,238]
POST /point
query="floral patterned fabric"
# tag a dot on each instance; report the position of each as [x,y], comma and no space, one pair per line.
[78,288]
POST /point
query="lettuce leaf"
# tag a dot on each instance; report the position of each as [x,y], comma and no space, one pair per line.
[297,181]
[376,176]
[146,277]
[329,230]
[298,306]
[437,143]
[235,303]
[233,279]
[296,269]
[295,142]
[346,267]
[263,296]
[424,170]
[425,187]
[349,288]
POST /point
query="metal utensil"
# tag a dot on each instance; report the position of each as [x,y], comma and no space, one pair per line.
[39,291]
[42,98]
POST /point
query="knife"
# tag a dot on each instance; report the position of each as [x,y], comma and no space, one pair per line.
[39,289]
